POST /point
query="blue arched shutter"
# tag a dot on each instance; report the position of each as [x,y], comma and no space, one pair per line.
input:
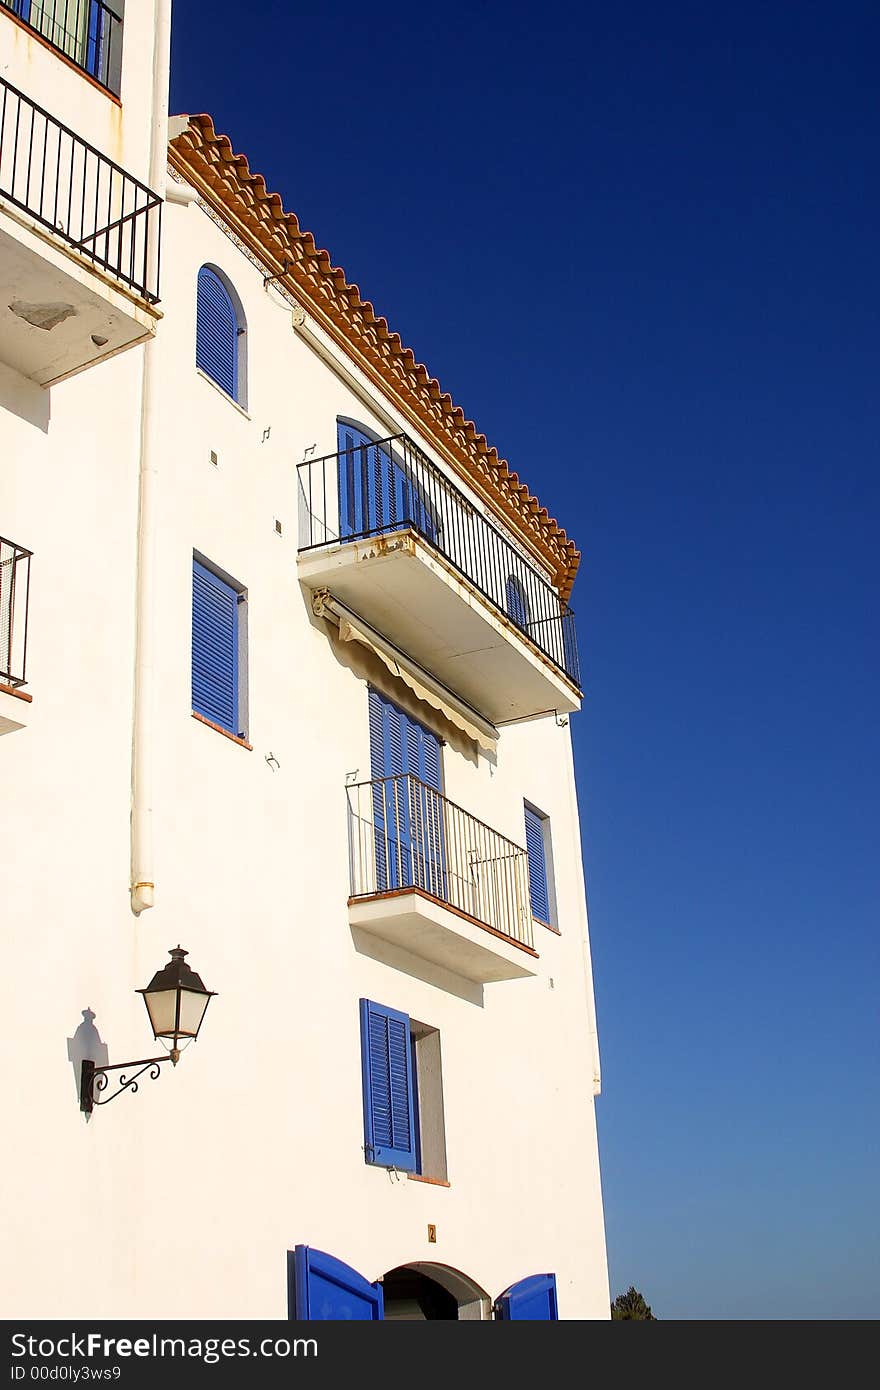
[537,865]
[386,1058]
[216,332]
[516,602]
[215,649]
[530,1300]
[376,492]
[323,1289]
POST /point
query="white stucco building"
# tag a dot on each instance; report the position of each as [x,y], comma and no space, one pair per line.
[286,673]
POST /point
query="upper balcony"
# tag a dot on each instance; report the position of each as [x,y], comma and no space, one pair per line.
[87,32]
[385,531]
[428,876]
[79,247]
[15,583]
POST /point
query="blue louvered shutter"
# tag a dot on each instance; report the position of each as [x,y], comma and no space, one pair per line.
[407,817]
[216,332]
[390,803]
[323,1289]
[537,865]
[530,1300]
[215,649]
[376,492]
[426,807]
[386,1059]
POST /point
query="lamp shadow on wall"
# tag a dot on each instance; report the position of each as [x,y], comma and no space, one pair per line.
[24,398]
[86,1046]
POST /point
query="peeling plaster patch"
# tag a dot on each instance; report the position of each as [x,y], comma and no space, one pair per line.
[45,316]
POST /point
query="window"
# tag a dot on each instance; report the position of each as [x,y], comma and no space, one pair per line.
[404,1125]
[88,32]
[219,637]
[220,333]
[516,602]
[541,888]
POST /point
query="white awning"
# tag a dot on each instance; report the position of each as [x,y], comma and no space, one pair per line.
[424,687]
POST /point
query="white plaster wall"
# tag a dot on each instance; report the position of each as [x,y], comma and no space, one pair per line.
[182,1200]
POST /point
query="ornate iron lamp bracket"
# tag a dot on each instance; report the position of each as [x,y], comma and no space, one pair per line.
[95,1080]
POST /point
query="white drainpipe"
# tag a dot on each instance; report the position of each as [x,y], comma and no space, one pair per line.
[142,885]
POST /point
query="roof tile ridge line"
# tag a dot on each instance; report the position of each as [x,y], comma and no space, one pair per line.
[551,543]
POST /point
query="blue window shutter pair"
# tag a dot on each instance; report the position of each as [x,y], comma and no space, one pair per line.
[540,898]
[400,744]
[389,1087]
[216,332]
[324,1289]
[215,649]
[407,818]
[376,492]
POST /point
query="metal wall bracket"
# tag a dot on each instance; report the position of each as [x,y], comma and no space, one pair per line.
[95,1080]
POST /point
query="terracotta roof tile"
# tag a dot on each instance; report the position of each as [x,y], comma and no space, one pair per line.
[207,160]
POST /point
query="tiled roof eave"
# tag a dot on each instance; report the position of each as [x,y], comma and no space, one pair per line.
[223,178]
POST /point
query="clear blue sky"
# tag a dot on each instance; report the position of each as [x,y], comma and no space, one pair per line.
[639,244]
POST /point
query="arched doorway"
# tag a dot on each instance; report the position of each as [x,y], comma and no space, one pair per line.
[422,1291]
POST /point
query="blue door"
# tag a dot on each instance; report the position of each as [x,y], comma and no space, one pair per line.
[377,493]
[530,1300]
[407,801]
[323,1289]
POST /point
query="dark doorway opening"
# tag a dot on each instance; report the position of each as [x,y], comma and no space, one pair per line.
[412,1297]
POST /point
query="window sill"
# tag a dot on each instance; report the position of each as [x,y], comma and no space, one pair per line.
[434,1182]
[548,926]
[16,694]
[230,400]
[233,738]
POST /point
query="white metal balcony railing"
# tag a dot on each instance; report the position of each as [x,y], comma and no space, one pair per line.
[405,835]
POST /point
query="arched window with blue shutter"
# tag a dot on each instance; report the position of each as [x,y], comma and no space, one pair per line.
[219,330]
[516,602]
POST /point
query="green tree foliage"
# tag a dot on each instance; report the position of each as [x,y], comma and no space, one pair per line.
[631,1307]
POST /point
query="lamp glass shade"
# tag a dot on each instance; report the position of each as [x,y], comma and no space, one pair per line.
[176,999]
[192,1011]
[162,1008]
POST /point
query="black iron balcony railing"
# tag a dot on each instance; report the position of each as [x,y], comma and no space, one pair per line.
[88,32]
[371,489]
[15,584]
[404,834]
[56,177]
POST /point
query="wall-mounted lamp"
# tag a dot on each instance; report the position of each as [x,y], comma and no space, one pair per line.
[176,1003]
